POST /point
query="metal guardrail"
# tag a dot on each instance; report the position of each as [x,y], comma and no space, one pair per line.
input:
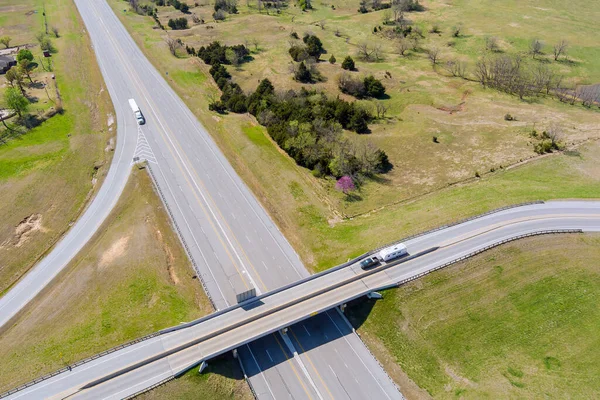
[78,363]
[450,225]
[491,246]
[185,246]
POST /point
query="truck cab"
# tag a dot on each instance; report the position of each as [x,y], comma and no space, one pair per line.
[139,117]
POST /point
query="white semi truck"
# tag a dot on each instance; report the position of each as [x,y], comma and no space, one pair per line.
[137,112]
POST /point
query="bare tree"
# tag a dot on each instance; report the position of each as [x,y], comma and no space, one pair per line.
[415,41]
[589,95]
[322,23]
[555,133]
[55,32]
[433,53]
[535,47]
[365,51]
[255,43]
[456,68]
[560,48]
[398,11]
[173,45]
[337,32]
[403,46]
[381,109]
[491,44]
[387,16]
[456,31]
[376,4]
[377,52]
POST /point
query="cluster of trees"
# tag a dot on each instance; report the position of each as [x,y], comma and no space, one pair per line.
[509,74]
[142,9]
[305,4]
[178,5]
[367,87]
[307,125]
[178,23]
[375,4]
[224,6]
[313,47]
[216,53]
[25,66]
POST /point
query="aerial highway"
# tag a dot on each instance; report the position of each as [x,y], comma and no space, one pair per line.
[150,361]
[232,242]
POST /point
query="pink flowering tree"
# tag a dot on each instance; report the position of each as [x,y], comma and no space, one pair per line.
[345,184]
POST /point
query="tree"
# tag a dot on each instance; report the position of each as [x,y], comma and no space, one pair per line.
[314,46]
[345,184]
[178,23]
[24,55]
[381,109]
[560,48]
[233,57]
[5,40]
[45,42]
[302,74]
[26,64]
[373,87]
[456,31]
[491,44]
[403,46]
[535,47]
[14,76]
[433,53]
[332,59]
[173,45]
[348,64]
[16,101]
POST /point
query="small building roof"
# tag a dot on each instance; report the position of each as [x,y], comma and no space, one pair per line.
[6,60]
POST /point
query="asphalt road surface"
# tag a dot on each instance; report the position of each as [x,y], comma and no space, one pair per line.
[233,243]
[176,351]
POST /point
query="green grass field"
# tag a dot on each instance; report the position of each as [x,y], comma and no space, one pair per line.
[520,321]
[49,173]
[133,278]
[306,209]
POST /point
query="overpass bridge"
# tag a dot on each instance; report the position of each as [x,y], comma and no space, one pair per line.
[142,364]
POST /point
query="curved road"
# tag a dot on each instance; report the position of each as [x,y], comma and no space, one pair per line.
[452,243]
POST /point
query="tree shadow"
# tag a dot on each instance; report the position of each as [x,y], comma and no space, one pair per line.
[353,197]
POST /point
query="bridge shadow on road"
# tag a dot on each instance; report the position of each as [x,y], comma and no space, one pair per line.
[319,333]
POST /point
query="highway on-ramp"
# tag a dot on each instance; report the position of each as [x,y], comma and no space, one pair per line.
[132,368]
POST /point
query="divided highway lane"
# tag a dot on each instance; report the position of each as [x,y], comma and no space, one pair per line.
[234,244]
[182,348]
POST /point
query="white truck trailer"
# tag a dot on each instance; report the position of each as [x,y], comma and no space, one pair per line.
[137,112]
[395,251]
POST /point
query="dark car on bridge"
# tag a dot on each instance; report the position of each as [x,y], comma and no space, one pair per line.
[369,262]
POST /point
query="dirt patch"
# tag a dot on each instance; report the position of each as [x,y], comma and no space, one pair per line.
[23,231]
[169,258]
[116,250]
